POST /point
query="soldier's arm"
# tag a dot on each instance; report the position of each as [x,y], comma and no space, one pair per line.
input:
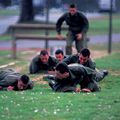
[59,23]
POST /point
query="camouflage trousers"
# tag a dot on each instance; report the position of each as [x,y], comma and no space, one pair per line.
[79,44]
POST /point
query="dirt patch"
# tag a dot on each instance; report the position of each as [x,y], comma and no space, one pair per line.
[39,79]
[98,54]
[115,73]
[29,54]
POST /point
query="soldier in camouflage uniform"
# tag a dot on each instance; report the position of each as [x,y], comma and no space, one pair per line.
[77,28]
[12,80]
[81,58]
[84,58]
[42,62]
[67,77]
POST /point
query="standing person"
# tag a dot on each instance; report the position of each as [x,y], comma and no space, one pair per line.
[42,62]
[59,54]
[78,26]
[12,80]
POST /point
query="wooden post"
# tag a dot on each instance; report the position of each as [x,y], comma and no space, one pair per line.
[13,44]
[110,28]
[14,49]
[47,21]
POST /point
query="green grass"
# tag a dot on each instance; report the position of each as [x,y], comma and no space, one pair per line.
[42,103]
[115,46]
[101,25]
[5,37]
[8,12]
[111,63]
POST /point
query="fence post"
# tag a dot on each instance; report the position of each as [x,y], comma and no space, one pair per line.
[110,28]
[13,44]
[14,49]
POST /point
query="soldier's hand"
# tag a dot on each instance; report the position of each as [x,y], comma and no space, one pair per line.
[86,90]
[59,36]
[10,88]
[79,36]
[78,90]
[0,87]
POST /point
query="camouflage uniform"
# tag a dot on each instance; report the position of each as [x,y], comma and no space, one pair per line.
[37,65]
[10,77]
[77,23]
[75,59]
[90,63]
[79,74]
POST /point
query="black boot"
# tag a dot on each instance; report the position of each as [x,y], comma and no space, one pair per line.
[105,72]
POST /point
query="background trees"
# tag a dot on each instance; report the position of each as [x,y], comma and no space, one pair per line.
[26,12]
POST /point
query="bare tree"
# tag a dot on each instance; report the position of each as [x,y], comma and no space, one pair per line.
[26,11]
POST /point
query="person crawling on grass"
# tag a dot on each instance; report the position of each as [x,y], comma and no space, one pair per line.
[68,77]
[84,58]
[12,80]
[42,62]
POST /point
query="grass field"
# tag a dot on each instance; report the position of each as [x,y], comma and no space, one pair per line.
[42,103]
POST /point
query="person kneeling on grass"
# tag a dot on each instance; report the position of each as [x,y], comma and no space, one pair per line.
[12,80]
[67,77]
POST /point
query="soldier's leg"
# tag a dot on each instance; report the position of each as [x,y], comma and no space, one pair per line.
[86,40]
[69,41]
[50,79]
[81,43]
[100,74]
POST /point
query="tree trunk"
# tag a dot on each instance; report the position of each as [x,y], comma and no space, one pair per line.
[26,12]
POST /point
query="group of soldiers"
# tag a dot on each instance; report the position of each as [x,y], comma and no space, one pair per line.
[73,73]
[65,73]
